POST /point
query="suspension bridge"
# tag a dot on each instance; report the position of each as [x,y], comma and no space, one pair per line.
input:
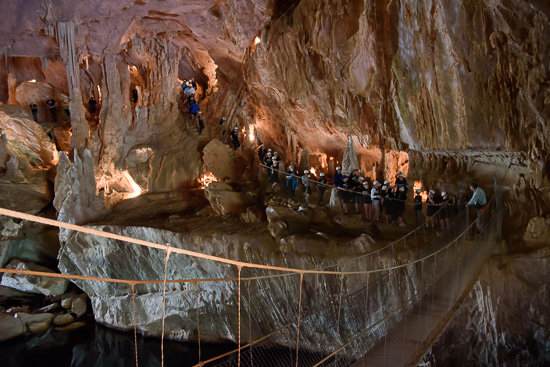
[384,308]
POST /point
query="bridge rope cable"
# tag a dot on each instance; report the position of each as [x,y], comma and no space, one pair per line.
[171,249]
[166,248]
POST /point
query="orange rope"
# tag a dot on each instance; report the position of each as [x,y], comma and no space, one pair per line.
[198,319]
[299,315]
[168,251]
[135,327]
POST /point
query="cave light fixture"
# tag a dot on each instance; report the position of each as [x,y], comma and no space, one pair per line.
[32,81]
[418,186]
[206,179]
[251,135]
[135,189]
[99,93]
[257,40]
[312,170]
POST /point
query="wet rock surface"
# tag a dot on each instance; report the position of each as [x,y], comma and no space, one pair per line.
[32,283]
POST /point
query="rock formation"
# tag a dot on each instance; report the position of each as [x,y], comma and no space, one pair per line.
[447,92]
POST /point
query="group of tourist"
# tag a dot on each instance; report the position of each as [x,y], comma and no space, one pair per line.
[193,109]
[380,201]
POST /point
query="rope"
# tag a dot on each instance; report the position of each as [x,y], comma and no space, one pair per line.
[299,315]
[135,327]
[168,252]
[99,233]
[198,319]
[239,317]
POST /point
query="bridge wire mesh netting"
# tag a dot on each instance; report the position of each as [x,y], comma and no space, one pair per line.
[286,316]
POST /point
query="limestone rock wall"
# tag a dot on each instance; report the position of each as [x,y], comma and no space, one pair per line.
[504,320]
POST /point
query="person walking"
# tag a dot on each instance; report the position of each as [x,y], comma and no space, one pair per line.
[291,181]
[479,201]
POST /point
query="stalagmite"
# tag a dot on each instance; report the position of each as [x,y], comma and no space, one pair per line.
[349,162]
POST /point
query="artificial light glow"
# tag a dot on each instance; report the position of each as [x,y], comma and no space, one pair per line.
[207,179]
[32,81]
[251,134]
[331,158]
[257,40]
[418,186]
[99,93]
[135,189]
[312,170]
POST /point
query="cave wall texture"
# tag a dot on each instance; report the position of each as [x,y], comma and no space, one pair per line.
[450,90]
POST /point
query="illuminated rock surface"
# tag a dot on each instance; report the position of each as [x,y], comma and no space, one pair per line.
[448,92]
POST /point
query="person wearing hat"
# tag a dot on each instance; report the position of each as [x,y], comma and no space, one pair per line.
[399,204]
[268,159]
[274,176]
[291,180]
[444,211]
[367,201]
[235,138]
[321,187]
[307,184]
[276,157]
[431,201]
[346,193]
[261,152]
[418,207]
[338,177]
[390,204]
[358,193]
[402,181]
[376,197]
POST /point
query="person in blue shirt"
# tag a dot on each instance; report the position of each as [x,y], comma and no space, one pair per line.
[479,200]
[193,109]
[338,177]
[291,181]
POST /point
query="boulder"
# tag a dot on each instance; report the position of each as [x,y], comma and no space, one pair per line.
[39,327]
[284,221]
[62,320]
[29,319]
[222,162]
[10,327]
[224,200]
[67,301]
[537,232]
[253,214]
[34,284]
[28,241]
[79,305]
[73,326]
[26,155]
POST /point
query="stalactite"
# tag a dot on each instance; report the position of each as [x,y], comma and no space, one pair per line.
[66,41]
